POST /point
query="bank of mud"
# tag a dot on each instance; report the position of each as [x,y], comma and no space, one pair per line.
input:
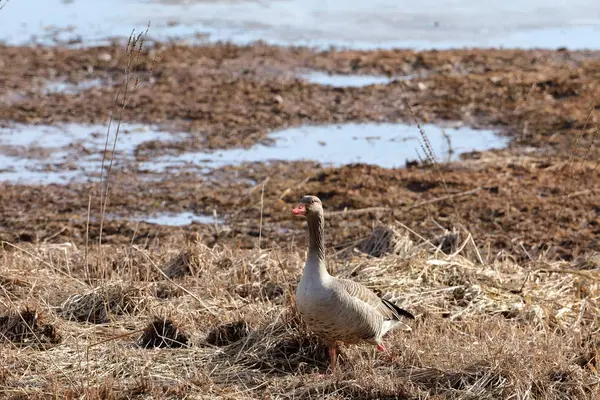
[541,191]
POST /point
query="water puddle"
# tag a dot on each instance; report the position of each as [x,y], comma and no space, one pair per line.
[71,88]
[340,80]
[341,23]
[388,145]
[93,137]
[22,170]
[178,219]
[42,154]
[59,154]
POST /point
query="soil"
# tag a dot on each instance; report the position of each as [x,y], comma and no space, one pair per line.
[540,193]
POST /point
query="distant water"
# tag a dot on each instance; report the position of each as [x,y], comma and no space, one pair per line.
[52,154]
[388,145]
[344,23]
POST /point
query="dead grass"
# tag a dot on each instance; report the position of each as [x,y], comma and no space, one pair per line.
[97,304]
[182,264]
[499,330]
[387,240]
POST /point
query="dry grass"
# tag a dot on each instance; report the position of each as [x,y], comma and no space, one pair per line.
[482,331]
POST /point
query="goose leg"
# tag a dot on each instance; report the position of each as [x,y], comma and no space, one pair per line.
[391,354]
[333,356]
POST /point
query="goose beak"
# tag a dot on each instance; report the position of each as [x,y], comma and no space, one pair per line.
[300,209]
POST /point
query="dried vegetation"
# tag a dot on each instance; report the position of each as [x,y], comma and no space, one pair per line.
[500,330]
[174,319]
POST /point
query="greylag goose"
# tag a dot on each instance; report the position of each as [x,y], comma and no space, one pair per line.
[339,310]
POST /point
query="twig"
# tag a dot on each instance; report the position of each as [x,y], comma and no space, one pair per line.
[55,234]
[461,247]
[417,235]
[358,211]
[447,197]
[262,207]
[134,43]
[87,238]
[579,193]
[348,245]
[215,225]
[450,149]
[299,185]
[259,185]
[111,339]
[430,155]
[476,250]
[584,274]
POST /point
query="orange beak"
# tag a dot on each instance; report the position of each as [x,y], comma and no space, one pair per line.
[300,209]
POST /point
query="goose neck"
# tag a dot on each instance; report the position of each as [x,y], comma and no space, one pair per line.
[316,230]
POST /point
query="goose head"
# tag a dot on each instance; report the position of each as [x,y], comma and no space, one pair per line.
[309,206]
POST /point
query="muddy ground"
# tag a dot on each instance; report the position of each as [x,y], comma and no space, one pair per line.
[540,193]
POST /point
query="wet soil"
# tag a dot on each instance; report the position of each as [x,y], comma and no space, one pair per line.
[543,190]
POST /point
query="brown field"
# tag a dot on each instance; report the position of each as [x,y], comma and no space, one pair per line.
[496,255]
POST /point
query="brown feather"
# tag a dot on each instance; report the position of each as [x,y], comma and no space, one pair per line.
[387,309]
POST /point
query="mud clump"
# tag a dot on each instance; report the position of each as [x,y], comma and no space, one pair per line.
[448,242]
[162,333]
[167,290]
[24,328]
[227,334]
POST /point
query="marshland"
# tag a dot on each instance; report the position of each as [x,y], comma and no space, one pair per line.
[151,154]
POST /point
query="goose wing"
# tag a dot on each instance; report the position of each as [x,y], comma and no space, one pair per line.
[387,309]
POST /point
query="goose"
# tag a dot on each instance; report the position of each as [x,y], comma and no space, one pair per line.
[339,310]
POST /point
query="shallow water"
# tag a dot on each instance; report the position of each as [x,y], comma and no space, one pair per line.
[79,145]
[177,219]
[58,154]
[71,88]
[339,80]
[22,170]
[92,136]
[355,24]
[388,145]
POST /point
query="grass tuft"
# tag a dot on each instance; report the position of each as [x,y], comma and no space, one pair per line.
[182,264]
[97,305]
[387,240]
